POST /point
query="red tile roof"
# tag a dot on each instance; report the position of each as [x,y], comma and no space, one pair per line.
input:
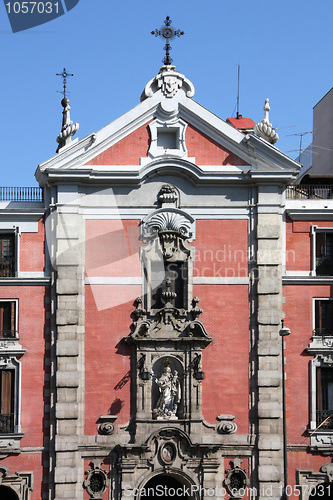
[240,122]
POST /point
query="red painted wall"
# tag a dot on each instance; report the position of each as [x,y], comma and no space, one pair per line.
[298,243]
[127,151]
[299,318]
[221,248]
[32,253]
[34,364]
[108,320]
[112,248]
[207,151]
[226,360]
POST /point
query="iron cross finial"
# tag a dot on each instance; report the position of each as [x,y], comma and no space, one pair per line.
[167,32]
[64,75]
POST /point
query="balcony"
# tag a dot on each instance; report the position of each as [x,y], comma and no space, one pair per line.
[309,192]
[324,419]
[21,194]
[6,423]
[324,266]
[7,267]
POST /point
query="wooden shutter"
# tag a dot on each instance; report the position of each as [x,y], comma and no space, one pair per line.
[7,392]
[12,318]
[319,398]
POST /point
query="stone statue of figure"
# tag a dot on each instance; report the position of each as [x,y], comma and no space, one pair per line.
[170,394]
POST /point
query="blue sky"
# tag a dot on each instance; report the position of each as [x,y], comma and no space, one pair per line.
[284,50]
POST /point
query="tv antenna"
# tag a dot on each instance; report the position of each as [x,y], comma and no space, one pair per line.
[300,134]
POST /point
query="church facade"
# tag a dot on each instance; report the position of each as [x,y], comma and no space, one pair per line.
[141,308]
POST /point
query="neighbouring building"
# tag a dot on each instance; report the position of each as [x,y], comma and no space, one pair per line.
[141,305]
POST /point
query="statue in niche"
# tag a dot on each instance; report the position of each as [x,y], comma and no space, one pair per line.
[170,394]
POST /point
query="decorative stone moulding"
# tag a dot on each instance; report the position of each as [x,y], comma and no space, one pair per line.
[236,479]
[106,424]
[167,135]
[164,219]
[168,196]
[20,482]
[96,480]
[170,82]
[264,128]
[226,425]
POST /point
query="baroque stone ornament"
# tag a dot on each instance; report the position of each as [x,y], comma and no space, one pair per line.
[68,127]
[106,424]
[264,128]
[96,481]
[226,425]
[170,82]
[236,479]
[167,220]
[167,195]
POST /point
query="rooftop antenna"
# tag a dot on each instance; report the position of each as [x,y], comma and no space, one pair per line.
[237,115]
[300,139]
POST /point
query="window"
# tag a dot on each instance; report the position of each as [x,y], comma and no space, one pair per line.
[324,412]
[7,255]
[323,317]
[7,391]
[7,319]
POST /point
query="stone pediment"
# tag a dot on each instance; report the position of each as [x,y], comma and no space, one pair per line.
[123,150]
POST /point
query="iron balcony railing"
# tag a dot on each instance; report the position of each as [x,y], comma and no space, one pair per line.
[6,422]
[324,266]
[309,192]
[7,267]
[8,334]
[325,419]
[21,194]
[323,332]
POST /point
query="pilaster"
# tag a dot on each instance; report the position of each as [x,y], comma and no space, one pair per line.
[269,315]
[69,352]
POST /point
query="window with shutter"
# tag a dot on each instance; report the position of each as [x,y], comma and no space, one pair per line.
[7,255]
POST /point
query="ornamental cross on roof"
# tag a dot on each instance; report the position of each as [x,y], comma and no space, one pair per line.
[167,32]
[64,75]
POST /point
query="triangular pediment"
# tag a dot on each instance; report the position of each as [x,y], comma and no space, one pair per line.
[171,129]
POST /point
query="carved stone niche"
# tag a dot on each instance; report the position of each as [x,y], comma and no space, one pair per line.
[15,486]
[236,480]
[96,481]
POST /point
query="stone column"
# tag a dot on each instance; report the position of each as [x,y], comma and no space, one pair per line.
[269,315]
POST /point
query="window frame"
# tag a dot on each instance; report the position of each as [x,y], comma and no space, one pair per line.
[315,230]
[15,303]
[14,232]
[11,363]
[316,301]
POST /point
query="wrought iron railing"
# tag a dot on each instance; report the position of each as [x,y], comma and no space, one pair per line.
[6,422]
[309,192]
[8,334]
[21,194]
[7,267]
[323,332]
[324,266]
[325,419]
